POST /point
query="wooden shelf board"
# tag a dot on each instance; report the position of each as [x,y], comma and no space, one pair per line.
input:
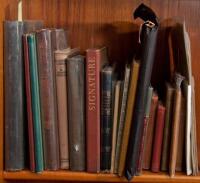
[83,176]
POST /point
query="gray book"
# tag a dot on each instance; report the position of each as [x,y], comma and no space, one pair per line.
[76,112]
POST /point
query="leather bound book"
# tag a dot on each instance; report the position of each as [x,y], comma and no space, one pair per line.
[167,129]
[48,99]
[14,97]
[146,120]
[61,93]
[106,117]
[35,102]
[59,39]
[76,112]
[122,110]
[150,131]
[148,39]
[128,115]
[95,59]
[158,138]
[180,162]
[115,123]
[175,124]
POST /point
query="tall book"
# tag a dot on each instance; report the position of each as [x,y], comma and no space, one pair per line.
[76,113]
[48,98]
[35,102]
[106,117]
[168,125]
[61,93]
[148,39]
[95,59]
[15,92]
[146,164]
[128,115]
[115,123]
[158,138]
[122,110]
[146,121]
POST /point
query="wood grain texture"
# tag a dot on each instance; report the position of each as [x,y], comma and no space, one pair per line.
[110,23]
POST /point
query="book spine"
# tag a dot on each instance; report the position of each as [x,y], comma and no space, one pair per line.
[115,121]
[158,137]
[128,116]
[146,120]
[93,111]
[59,39]
[35,96]
[106,118]
[48,99]
[29,104]
[61,92]
[167,128]
[76,113]
[150,131]
[121,118]
[14,96]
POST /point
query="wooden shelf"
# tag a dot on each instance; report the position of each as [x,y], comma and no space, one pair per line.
[83,176]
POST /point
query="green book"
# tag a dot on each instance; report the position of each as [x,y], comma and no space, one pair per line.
[35,96]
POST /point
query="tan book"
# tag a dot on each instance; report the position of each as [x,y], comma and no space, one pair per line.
[115,121]
[128,117]
[61,94]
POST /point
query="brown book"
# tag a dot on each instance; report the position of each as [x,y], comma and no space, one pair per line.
[146,120]
[150,131]
[128,117]
[175,125]
[115,122]
[180,162]
[61,93]
[158,138]
[48,99]
[168,120]
[95,59]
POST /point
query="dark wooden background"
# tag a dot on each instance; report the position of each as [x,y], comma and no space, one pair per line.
[109,22]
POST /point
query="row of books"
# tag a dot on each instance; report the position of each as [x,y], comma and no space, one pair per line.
[84,114]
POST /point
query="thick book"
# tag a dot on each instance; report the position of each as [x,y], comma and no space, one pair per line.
[175,124]
[128,115]
[48,98]
[15,105]
[167,129]
[158,138]
[148,39]
[35,102]
[76,112]
[95,59]
[61,93]
[115,123]
[122,110]
[146,120]
[106,117]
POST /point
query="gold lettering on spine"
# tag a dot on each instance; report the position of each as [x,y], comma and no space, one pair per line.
[92,83]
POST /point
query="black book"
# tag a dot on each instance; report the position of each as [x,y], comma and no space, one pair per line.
[148,37]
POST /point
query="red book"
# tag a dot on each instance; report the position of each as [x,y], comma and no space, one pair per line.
[28,105]
[158,138]
[95,59]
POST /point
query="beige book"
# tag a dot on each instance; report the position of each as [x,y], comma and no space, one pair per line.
[115,121]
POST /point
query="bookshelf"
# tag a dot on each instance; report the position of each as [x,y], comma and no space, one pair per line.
[109,22]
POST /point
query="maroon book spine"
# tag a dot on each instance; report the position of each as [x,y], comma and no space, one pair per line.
[29,105]
[158,137]
[94,61]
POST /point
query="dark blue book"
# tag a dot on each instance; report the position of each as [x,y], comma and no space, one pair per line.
[106,117]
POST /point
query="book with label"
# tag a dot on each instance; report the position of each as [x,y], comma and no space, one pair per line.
[95,60]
